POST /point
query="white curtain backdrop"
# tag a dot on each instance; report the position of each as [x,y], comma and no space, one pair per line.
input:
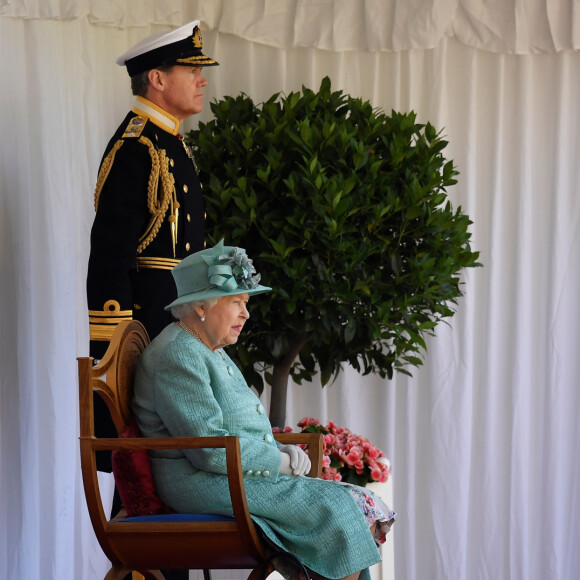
[485,438]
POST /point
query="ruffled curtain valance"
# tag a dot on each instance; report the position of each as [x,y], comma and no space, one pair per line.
[501,26]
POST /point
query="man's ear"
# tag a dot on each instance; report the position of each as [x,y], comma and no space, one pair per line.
[156,79]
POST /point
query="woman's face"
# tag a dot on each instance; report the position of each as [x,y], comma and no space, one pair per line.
[224,321]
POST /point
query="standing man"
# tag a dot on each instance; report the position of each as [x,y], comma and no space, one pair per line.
[148,199]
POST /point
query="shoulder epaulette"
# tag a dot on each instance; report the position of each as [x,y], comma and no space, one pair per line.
[135,127]
[133,130]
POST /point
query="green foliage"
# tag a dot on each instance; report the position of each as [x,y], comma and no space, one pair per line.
[345,213]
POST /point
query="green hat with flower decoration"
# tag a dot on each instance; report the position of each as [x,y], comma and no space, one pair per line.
[215,272]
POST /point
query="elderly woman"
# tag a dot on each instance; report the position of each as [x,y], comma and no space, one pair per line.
[186,385]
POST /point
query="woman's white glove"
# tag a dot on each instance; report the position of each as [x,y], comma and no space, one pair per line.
[299,462]
[285,468]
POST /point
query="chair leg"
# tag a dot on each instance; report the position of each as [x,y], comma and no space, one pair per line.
[261,571]
[117,573]
[120,572]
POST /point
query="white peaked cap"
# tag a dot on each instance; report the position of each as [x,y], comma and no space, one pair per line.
[181,46]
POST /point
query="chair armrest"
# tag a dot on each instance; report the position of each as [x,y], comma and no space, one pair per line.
[315,444]
[231,444]
[314,441]
[150,443]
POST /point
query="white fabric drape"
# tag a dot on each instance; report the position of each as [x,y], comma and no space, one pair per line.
[504,26]
[484,439]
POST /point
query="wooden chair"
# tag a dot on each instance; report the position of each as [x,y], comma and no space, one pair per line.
[178,540]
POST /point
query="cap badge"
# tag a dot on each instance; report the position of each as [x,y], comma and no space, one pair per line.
[197,39]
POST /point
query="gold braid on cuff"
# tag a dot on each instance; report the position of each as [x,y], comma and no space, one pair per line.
[102,323]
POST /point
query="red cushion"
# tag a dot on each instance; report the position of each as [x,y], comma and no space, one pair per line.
[132,471]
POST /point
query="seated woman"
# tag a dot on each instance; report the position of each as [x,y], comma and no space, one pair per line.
[186,385]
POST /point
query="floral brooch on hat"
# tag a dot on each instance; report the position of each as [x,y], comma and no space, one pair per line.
[233,270]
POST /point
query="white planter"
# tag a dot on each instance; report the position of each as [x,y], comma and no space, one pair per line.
[385,570]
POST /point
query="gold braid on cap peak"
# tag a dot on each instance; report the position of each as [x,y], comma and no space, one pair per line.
[193,60]
[158,203]
[198,59]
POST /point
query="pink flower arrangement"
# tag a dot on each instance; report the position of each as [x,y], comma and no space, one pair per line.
[347,457]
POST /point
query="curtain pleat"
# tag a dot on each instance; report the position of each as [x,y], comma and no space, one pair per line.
[483,438]
[501,26]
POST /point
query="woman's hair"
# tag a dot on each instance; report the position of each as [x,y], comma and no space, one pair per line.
[182,310]
[140,81]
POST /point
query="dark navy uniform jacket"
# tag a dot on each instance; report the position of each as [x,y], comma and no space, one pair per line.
[149,216]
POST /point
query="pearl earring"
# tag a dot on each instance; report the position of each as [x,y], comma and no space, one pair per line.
[202,318]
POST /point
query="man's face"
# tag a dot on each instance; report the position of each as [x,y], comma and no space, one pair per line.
[180,90]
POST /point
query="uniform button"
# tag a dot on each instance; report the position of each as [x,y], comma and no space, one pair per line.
[185,188]
[187,246]
[258,472]
[250,472]
[260,409]
[171,162]
[268,437]
[265,473]
[188,217]
[230,371]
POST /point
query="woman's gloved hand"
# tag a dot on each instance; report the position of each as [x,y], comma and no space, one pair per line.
[299,462]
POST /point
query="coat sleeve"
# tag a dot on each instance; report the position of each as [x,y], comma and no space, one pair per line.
[193,398]
[121,217]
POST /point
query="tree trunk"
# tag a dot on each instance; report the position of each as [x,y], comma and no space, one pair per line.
[278,398]
[280,376]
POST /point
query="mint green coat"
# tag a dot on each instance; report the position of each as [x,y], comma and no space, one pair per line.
[182,388]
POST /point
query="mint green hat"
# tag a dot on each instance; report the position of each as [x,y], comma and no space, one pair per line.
[215,272]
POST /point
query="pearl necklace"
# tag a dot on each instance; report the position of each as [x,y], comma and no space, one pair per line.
[190,330]
[193,333]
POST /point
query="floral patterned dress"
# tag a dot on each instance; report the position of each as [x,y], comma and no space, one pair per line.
[374,509]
